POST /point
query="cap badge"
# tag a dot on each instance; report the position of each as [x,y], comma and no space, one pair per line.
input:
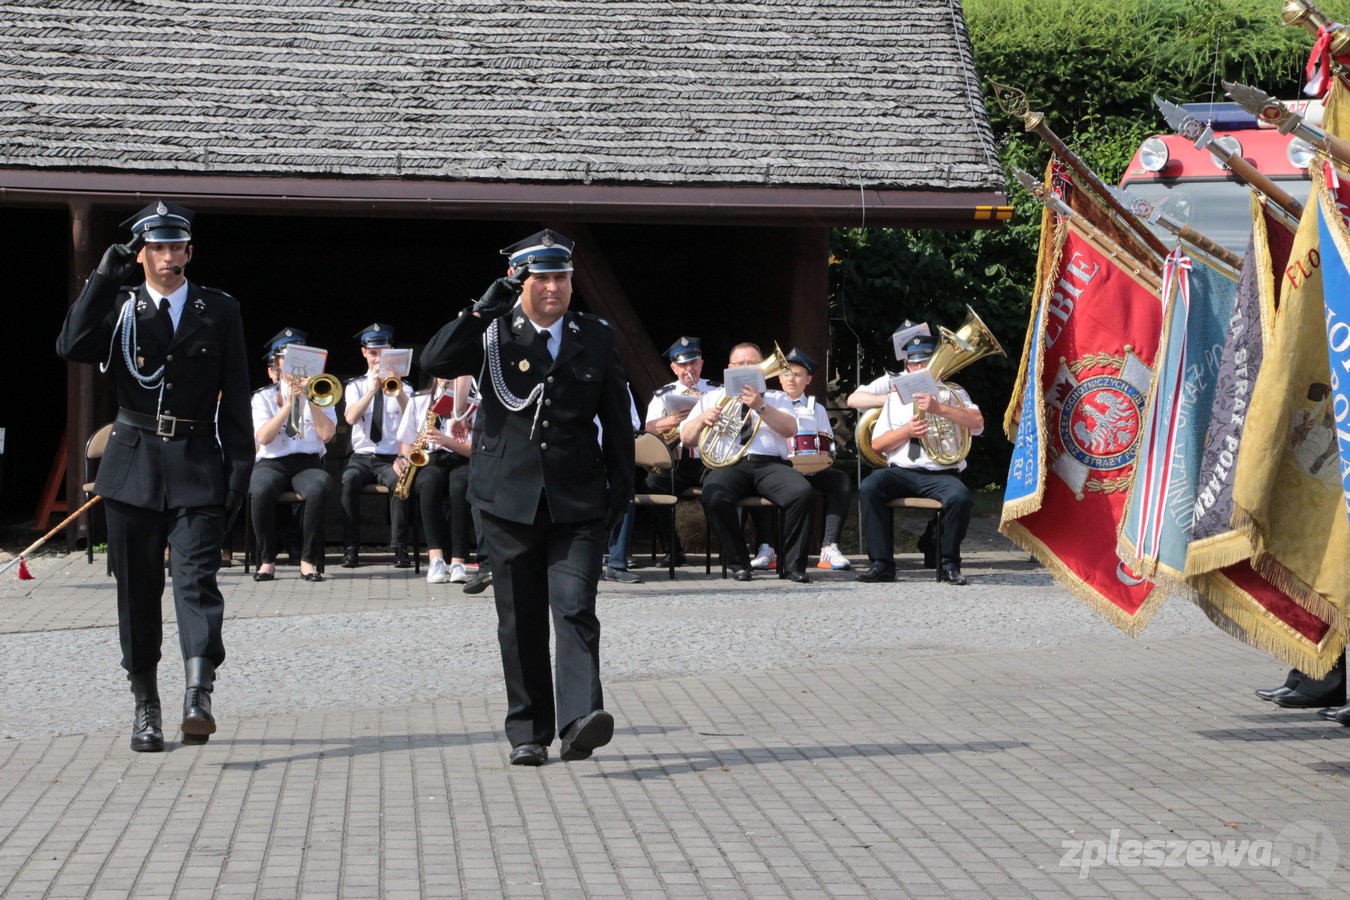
[524,365]
[289,333]
[684,342]
[162,209]
[546,240]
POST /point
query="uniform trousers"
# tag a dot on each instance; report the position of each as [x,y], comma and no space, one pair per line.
[773,478]
[368,468]
[538,568]
[299,472]
[888,484]
[136,541]
[837,486]
[446,475]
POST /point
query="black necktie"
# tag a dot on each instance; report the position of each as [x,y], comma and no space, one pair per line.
[377,417]
[164,318]
[546,337]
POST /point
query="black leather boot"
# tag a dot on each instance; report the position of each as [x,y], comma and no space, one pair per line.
[147,732]
[1291,681]
[198,723]
[1313,693]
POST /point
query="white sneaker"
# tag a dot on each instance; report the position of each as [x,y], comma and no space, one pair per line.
[437,573]
[831,558]
[765,558]
[458,574]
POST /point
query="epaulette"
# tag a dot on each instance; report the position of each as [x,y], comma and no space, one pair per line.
[714,384]
[265,387]
[216,291]
[664,390]
[592,317]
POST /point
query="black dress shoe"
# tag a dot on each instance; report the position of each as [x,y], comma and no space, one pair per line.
[402,558]
[799,577]
[1331,712]
[1313,693]
[952,575]
[622,576]
[741,575]
[877,572]
[679,560]
[529,755]
[480,581]
[1291,681]
[198,723]
[312,576]
[1343,715]
[351,558]
[264,576]
[579,740]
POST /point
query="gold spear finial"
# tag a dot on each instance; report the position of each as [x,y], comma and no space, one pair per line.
[1013,102]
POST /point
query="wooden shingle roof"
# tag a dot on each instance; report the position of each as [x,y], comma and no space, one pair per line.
[765,93]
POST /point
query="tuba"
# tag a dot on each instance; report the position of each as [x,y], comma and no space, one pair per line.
[720,444]
[947,443]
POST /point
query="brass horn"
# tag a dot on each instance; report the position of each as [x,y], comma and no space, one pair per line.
[720,444]
[324,391]
[946,442]
[392,385]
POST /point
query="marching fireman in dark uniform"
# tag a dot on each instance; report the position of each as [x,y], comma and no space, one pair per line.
[177,464]
[548,487]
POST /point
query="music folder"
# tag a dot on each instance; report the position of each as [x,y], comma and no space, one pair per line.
[303,361]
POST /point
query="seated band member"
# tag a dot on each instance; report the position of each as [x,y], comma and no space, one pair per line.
[835,484]
[290,458]
[445,475]
[665,415]
[764,470]
[374,418]
[911,473]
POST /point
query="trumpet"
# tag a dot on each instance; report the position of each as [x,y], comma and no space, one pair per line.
[392,385]
[723,443]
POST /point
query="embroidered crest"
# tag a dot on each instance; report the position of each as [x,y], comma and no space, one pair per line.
[1096,420]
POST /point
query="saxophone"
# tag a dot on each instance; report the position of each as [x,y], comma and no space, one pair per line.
[417,456]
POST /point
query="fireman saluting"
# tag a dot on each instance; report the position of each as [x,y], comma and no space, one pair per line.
[175,353]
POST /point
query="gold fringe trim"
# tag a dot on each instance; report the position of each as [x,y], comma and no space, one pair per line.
[1218,551]
[1229,608]
[1088,595]
[1282,578]
[1049,275]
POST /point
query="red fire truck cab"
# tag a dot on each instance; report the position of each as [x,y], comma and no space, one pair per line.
[1195,188]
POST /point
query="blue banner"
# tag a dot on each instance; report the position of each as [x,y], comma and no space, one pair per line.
[1026,470]
[1336,293]
[1157,524]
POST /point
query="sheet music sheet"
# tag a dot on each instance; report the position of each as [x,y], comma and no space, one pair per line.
[912,383]
[736,378]
[303,361]
[396,362]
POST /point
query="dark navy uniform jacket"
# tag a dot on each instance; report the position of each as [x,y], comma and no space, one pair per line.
[564,459]
[206,366]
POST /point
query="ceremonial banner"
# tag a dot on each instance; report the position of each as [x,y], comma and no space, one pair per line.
[1214,543]
[1160,506]
[1097,321]
[1335,245]
[1287,488]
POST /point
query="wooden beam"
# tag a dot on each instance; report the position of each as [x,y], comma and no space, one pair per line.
[605,296]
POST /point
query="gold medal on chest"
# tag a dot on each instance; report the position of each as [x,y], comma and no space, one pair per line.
[524,365]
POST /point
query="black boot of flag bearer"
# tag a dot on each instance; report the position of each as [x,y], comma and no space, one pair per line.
[198,723]
[1291,681]
[1313,693]
[147,733]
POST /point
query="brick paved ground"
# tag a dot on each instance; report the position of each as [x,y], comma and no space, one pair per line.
[772,740]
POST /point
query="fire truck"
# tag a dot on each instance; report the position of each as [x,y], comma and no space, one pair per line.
[1197,189]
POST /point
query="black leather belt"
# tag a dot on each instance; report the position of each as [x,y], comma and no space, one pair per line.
[167,426]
